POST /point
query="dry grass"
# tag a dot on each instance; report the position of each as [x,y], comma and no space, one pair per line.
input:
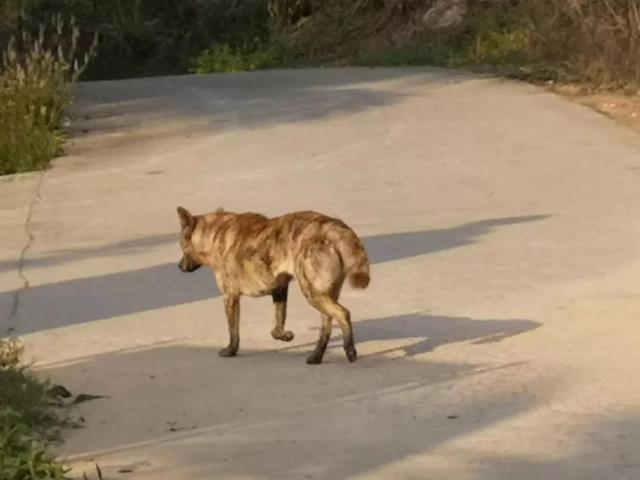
[36,74]
[595,42]
[10,351]
[623,108]
[592,41]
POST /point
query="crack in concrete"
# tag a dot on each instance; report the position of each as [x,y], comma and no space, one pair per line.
[13,315]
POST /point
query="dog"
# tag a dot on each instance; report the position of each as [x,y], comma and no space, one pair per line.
[256,256]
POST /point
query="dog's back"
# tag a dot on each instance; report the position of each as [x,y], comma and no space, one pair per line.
[252,253]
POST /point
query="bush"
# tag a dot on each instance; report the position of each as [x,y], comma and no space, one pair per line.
[594,41]
[27,421]
[152,37]
[25,401]
[589,41]
[325,31]
[10,352]
[36,75]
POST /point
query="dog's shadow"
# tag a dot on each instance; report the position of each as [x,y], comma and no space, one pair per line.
[434,331]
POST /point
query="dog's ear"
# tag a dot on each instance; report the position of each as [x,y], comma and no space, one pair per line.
[186,219]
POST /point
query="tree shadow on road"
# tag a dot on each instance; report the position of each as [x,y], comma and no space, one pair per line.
[209,417]
[381,248]
[215,104]
[72,302]
[266,415]
[400,246]
[126,247]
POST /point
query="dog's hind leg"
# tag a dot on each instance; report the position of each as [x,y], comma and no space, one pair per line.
[330,309]
[279,297]
[347,333]
[325,334]
[232,310]
[344,317]
[320,273]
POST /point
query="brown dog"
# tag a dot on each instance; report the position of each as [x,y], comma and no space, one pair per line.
[256,256]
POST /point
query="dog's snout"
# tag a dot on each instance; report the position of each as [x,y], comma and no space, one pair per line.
[187,265]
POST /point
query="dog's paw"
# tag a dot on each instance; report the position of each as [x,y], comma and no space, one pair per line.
[314,359]
[227,352]
[352,354]
[285,336]
[288,336]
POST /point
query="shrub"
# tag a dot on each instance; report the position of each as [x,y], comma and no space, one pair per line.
[10,352]
[27,420]
[152,37]
[594,41]
[590,41]
[36,74]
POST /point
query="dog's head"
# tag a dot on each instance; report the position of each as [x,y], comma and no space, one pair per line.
[188,263]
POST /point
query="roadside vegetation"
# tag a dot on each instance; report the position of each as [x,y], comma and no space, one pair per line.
[29,420]
[38,67]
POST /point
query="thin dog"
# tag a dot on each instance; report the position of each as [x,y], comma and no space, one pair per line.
[253,255]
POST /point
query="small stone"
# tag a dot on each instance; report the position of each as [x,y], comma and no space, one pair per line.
[445,14]
[58,391]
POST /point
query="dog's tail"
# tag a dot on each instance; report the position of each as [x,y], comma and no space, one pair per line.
[354,257]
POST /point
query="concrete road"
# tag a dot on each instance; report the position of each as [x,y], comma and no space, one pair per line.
[499,338]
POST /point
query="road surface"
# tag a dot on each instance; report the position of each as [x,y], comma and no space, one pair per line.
[499,338]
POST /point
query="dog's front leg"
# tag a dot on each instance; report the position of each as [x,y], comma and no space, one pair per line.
[279,297]
[232,310]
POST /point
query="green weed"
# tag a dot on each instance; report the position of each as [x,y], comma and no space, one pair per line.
[28,420]
[222,58]
[23,456]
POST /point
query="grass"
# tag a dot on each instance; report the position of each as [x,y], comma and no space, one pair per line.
[28,421]
[222,58]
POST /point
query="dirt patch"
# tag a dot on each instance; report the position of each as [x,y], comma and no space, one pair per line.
[621,107]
